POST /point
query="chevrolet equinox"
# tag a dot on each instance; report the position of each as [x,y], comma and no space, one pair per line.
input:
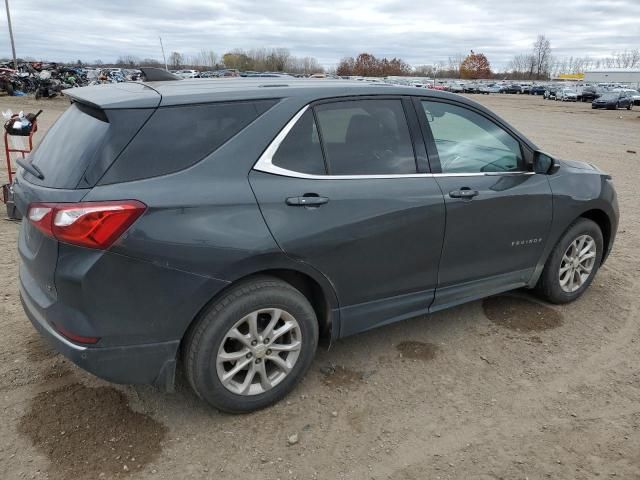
[229,225]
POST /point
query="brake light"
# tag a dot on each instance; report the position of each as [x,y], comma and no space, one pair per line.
[87,224]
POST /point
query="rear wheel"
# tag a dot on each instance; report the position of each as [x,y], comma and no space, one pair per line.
[573,263]
[252,346]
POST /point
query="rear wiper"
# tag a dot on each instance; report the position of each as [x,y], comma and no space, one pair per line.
[31,168]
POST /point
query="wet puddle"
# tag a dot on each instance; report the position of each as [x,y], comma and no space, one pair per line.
[86,432]
[417,350]
[520,314]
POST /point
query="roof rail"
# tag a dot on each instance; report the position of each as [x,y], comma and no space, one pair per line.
[153,74]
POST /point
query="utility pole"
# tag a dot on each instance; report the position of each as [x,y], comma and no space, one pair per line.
[13,45]
[166,67]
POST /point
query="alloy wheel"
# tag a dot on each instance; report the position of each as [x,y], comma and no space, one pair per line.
[577,263]
[259,351]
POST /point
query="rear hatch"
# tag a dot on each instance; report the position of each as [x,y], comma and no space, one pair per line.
[72,157]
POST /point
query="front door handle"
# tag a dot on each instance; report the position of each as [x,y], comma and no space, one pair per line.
[463,193]
[307,200]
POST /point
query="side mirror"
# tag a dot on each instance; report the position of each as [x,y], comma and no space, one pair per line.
[544,163]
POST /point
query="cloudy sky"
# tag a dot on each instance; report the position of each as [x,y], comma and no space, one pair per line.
[421,32]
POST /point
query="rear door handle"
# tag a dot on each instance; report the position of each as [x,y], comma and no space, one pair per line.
[307,200]
[463,193]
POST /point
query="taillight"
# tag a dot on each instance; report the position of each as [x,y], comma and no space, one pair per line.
[87,224]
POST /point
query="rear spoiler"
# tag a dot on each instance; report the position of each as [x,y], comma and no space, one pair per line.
[153,74]
[116,96]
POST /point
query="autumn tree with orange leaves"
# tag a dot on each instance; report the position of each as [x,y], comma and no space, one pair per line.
[475,66]
[367,65]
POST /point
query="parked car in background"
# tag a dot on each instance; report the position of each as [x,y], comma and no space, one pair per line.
[590,93]
[511,88]
[634,94]
[525,88]
[537,90]
[613,101]
[567,95]
[188,73]
[551,91]
[472,87]
[209,225]
[456,87]
[490,88]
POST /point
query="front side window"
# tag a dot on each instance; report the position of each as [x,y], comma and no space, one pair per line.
[467,142]
[366,137]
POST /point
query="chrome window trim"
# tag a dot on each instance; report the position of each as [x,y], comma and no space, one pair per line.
[265,163]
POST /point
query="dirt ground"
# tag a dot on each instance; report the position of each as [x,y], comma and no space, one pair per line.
[506,388]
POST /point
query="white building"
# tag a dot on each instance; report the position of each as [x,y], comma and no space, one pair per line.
[613,75]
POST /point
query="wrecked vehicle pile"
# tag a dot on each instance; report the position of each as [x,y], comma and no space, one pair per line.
[49,79]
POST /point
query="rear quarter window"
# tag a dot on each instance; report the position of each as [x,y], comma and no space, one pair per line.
[68,147]
[175,138]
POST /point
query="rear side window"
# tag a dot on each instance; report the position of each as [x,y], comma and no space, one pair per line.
[366,137]
[69,146]
[175,138]
[300,151]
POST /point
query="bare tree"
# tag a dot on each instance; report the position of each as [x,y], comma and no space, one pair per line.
[127,61]
[150,62]
[542,56]
[176,60]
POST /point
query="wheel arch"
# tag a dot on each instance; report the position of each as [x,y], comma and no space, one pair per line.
[603,221]
[595,214]
[319,292]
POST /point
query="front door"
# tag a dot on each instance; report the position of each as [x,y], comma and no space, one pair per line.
[342,193]
[498,212]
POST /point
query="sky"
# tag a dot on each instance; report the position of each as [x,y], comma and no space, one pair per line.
[420,32]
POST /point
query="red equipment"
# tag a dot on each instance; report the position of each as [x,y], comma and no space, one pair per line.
[9,148]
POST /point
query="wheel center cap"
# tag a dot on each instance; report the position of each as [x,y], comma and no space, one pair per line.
[260,350]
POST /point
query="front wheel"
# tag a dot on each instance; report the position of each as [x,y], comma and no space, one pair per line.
[573,263]
[252,346]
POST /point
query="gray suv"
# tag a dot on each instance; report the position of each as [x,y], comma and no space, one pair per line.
[230,225]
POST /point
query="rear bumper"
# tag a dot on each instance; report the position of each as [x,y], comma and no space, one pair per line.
[133,364]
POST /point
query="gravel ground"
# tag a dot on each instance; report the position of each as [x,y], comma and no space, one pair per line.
[505,388]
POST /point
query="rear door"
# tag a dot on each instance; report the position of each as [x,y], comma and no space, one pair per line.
[498,212]
[341,191]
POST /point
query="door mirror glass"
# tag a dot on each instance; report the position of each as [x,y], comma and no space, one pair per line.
[543,163]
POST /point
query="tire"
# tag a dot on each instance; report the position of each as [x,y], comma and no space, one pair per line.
[617,105]
[629,107]
[209,337]
[549,285]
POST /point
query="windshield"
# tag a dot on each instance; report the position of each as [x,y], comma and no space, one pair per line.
[609,96]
